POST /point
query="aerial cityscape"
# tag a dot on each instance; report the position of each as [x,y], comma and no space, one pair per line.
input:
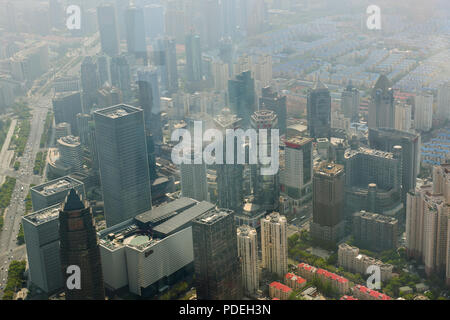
[252,150]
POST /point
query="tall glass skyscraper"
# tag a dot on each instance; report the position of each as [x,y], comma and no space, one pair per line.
[107,25]
[122,156]
[319,111]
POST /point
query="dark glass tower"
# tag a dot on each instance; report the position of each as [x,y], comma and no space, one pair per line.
[273,101]
[89,83]
[381,106]
[107,25]
[135,31]
[241,94]
[79,247]
[319,111]
[216,262]
[193,58]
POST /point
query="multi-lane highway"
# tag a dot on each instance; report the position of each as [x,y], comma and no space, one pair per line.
[9,250]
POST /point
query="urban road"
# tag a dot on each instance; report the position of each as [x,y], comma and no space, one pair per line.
[40,104]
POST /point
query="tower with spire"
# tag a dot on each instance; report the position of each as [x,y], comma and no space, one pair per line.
[79,247]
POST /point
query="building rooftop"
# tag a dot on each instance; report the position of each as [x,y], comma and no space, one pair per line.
[55,186]
[373,293]
[366,151]
[213,216]
[328,168]
[44,215]
[280,286]
[165,211]
[297,142]
[376,217]
[294,277]
[117,111]
[183,218]
[69,141]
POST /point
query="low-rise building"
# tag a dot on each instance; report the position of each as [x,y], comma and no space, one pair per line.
[351,260]
[279,290]
[295,282]
[364,293]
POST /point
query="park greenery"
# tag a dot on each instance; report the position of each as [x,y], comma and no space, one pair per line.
[6,191]
[175,292]
[28,203]
[39,162]
[16,165]
[21,110]
[47,130]
[20,236]
[20,136]
[15,279]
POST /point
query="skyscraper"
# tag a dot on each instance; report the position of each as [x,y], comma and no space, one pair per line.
[319,111]
[327,227]
[166,59]
[79,247]
[66,106]
[350,101]
[298,171]
[123,162]
[423,111]
[385,139]
[247,242]
[443,102]
[150,102]
[216,261]
[274,243]
[241,94]
[107,25]
[154,21]
[381,105]
[194,70]
[135,31]
[121,75]
[229,176]
[266,188]
[89,83]
[273,101]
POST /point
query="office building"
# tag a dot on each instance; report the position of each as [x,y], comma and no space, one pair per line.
[423,111]
[216,261]
[298,170]
[135,33]
[274,243]
[271,100]
[79,247]
[104,69]
[373,180]
[166,60]
[107,25]
[443,102]
[381,104]
[41,231]
[242,99]
[150,101]
[247,241]
[351,260]
[327,227]
[193,181]
[123,163]
[350,101]
[70,153]
[403,117]
[374,231]
[66,106]
[385,139]
[319,111]
[266,188]
[154,21]
[194,71]
[152,251]
[54,192]
[89,83]
[121,75]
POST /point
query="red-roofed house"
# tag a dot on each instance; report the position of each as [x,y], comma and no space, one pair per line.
[348,298]
[337,282]
[279,290]
[294,281]
[364,293]
[306,271]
